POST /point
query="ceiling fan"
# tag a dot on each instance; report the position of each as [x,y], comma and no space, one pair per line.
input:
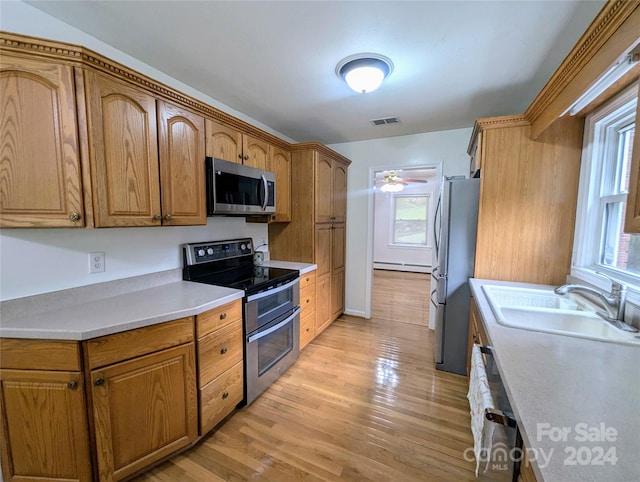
[394,183]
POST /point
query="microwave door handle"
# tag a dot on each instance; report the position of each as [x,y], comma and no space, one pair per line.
[265,190]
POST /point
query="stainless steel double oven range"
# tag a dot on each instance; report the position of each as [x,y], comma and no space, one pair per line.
[271,308]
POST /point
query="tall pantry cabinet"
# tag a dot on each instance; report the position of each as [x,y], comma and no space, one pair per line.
[316,233]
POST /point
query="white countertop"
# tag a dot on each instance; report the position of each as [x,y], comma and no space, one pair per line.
[304,268]
[581,386]
[115,306]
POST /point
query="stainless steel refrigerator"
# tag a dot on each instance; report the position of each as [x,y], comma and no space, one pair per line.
[455,226]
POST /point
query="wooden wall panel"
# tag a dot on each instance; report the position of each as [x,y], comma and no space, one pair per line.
[528,203]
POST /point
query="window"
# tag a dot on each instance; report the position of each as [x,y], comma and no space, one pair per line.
[601,245]
[410,213]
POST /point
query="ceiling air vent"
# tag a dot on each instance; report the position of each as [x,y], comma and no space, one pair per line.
[385,121]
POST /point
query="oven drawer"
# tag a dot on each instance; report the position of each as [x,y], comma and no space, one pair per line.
[307,328]
[218,317]
[219,397]
[219,351]
[307,279]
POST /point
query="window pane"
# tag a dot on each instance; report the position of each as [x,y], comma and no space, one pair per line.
[410,220]
[620,250]
[624,163]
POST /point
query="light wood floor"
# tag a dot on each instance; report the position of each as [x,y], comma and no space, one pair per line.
[363,402]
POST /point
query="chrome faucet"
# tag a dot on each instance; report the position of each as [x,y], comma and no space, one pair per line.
[614,304]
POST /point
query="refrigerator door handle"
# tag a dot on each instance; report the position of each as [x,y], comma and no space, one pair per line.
[436,234]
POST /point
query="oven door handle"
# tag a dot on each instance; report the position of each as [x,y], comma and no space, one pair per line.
[268,331]
[264,294]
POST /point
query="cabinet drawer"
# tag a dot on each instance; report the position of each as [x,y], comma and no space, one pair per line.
[307,279]
[307,329]
[133,343]
[308,299]
[219,351]
[220,397]
[218,317]
[22,354]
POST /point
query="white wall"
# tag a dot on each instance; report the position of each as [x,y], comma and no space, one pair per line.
[446,147]
[34,261]
[392,256]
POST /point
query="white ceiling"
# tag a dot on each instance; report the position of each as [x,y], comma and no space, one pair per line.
[454,61]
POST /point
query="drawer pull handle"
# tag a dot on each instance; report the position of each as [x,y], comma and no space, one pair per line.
[74,217]
[99,382]
[225,395]
[308,279]
[224,350]
[72,385]
[223,316]
[308,300]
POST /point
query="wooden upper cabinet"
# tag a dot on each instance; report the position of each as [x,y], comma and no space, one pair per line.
[255,152]
[181,143]
[40,178]
[279,162]
[339,201]
[223,142]
[123,149]
[632,217]
[331,190]
[324,189]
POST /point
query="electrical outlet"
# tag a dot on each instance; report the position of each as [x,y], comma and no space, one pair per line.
[96,262]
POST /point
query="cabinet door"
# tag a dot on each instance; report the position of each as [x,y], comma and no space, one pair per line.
[337,247]
[181,143]
[40,180]
[223,142]
[339,201]
[337,294]
[323,189]
[123,152]
[323,303]
[255,152]
[323,254]
[44,425]
[280,163]
[144,409]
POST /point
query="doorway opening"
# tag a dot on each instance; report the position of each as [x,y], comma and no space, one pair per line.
[402,202]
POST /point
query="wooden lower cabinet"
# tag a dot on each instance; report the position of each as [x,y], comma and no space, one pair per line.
[144,409]
[44,426]
[220,347]
[477,334]
[308,307]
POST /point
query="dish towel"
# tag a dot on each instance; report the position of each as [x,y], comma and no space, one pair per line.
[479,400]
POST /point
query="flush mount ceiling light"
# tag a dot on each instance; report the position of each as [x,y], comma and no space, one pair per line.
[364,72]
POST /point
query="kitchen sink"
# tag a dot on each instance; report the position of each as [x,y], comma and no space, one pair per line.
[542,310]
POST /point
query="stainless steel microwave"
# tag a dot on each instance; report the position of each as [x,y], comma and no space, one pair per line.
[235,189]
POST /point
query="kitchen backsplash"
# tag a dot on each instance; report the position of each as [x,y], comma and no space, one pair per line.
[36,261]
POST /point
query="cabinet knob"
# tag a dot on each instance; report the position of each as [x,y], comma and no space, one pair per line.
[225,395]
[239,156]
[223,316]
[74,217]
[223,350]
[72,385]
[308,300]
[99,382]
[157,217]
[168,217]
[246,158]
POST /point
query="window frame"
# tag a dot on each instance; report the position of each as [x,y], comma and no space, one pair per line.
[585,263]
[392,221]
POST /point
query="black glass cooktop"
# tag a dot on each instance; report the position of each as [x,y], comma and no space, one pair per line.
[251,279]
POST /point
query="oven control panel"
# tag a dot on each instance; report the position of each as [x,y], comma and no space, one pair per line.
[196,253]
